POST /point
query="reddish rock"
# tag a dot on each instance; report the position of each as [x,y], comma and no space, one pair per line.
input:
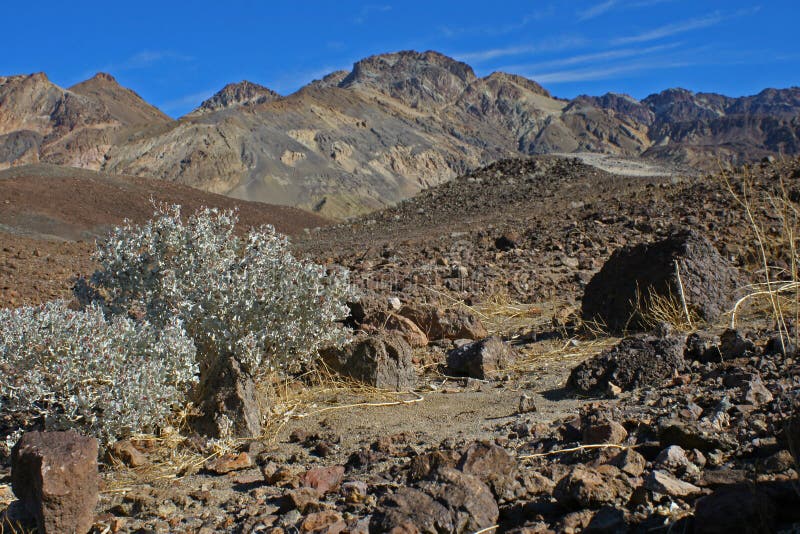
[493,465]
[629,462]
[324,522]
[587,487]
[323,479]
[125,452]
[437,323]
[605,432]
[230,462]
[54,475]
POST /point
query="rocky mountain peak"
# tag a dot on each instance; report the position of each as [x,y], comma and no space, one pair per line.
[530,85]
[124,105]
[419,79]
[103,77]
[238,94]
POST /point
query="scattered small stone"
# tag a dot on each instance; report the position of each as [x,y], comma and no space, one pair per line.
[229,462]
[526,404]
[666,484]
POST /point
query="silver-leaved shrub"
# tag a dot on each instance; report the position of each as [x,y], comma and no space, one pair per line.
[78,369]
[246,297]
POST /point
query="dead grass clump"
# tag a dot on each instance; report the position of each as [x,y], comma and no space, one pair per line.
[773,220]
[668,309]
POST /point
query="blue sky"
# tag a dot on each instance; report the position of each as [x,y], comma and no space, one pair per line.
[175,54]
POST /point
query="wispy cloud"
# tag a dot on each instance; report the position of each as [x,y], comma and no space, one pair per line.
[608,55]
[673,29]
[596,10]
[369,10]
[603,73]
[706,21]
[562,43]
[501,29]
[610,5]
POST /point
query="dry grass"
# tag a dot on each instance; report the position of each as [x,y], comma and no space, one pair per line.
[778,296]
[669,309]
[504,316]
[318,390]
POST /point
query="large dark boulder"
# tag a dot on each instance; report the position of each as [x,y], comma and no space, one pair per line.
[617,294]
[634,362]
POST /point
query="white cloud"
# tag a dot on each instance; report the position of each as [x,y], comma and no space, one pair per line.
[712,19]
[607,55]
[562,43]
[597,10]
[602,73]
[502,29]
[368,10]
[147,58]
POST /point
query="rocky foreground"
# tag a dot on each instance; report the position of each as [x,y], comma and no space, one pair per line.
[531,398]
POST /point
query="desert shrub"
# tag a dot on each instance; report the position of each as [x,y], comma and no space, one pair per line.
[76,369]
[243,296]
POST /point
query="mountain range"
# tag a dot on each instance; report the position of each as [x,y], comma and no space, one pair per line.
[356,141]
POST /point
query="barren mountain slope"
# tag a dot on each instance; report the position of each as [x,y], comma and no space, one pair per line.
[50,216]
[123,104]
[361,140]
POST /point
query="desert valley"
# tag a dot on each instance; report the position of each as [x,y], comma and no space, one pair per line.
[402,298]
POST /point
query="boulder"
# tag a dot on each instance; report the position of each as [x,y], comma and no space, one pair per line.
[588,487]
[481,359]
[438,323]
[382,360]
[617,294]
[605,431]
[227,401]
[493,465]
[55,477]
[323,479]
[404,326]
[739,508]
[451,501]
[634,362]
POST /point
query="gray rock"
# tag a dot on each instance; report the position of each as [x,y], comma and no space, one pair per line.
[666,484]
[382,360]
[481,359]
[227,393]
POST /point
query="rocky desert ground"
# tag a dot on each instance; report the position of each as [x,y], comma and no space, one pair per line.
[540,345]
